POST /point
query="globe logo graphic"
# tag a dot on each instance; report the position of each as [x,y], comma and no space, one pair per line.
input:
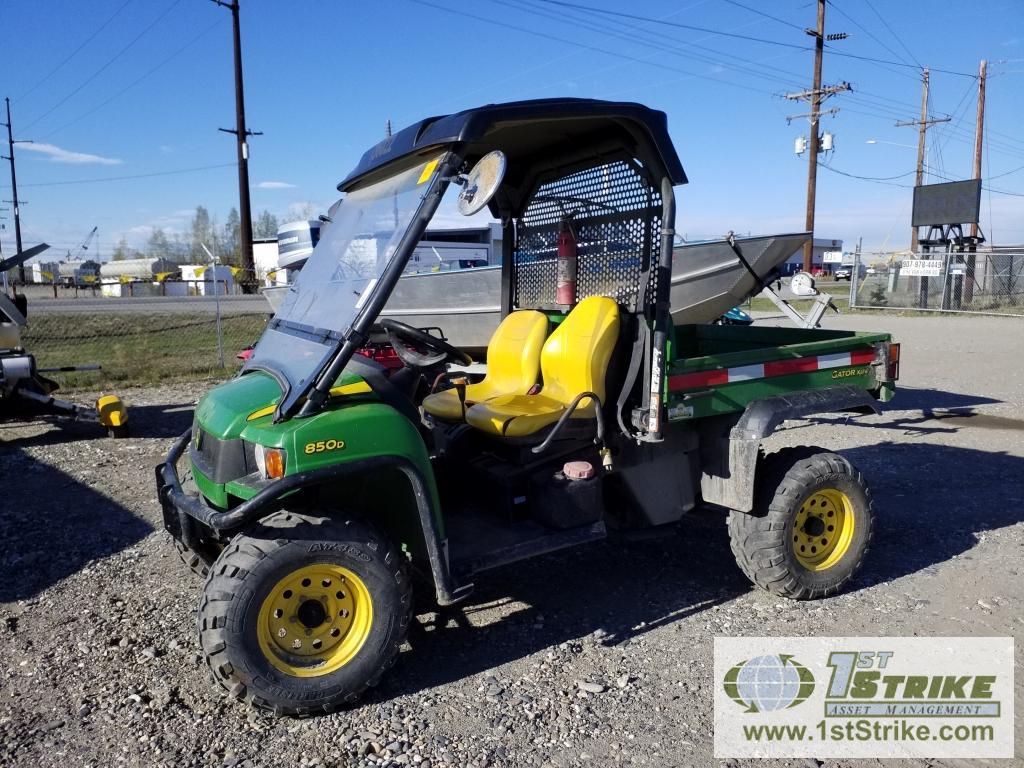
[769,683]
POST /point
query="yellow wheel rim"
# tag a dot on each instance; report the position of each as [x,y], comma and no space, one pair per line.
[823,529]
[315,620]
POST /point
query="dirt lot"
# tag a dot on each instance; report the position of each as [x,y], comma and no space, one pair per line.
[98,656]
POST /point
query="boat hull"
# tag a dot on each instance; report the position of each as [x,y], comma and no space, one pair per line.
[708,280]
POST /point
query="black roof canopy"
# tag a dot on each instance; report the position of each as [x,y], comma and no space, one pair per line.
[538,134]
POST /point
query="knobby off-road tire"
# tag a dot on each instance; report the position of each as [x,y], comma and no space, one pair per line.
[806,499]
[198,560]
[333,587]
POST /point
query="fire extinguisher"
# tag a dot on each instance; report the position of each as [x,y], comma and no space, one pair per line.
[565,284]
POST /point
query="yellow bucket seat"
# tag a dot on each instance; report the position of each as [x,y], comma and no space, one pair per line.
[513,364]
[574,360]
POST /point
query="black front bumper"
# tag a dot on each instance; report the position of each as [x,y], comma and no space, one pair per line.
[182,511]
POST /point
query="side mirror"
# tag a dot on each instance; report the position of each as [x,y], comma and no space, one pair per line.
[482,182]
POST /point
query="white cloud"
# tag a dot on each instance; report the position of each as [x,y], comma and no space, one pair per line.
[275,185]
[60,155]
[303,210]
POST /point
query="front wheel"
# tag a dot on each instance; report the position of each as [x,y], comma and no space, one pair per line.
[302,614]
[811,526]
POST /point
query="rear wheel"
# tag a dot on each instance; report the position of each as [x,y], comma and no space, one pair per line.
[303,613]
[811,526]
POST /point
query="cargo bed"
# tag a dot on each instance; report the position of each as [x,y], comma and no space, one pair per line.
[718,369]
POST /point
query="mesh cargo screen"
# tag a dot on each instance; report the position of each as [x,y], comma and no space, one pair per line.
[616,216]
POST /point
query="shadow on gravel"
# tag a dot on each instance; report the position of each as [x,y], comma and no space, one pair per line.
[927,400]
[168,420]
[143,421]
[51,526]
[947,412]
[623,588]
[933,502]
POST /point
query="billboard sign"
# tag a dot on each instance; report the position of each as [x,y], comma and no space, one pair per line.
[956,202]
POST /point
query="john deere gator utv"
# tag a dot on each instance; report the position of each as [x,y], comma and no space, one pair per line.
[329,488]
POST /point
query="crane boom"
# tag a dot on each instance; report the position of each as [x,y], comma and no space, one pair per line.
[84,246]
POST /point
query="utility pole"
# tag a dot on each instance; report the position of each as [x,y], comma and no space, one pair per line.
[241,134]
[922,126]
[14,189]
[815,96]
[979,132]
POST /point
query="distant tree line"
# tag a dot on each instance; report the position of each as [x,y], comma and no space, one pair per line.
[186,248]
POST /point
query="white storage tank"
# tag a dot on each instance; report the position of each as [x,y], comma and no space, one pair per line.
[138,269]
[79,272]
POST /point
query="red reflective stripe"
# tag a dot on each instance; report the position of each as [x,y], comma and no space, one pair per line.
[784,367]
[698,379]
[776,368]
[862,356]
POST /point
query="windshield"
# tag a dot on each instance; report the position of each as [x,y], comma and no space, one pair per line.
[355,248]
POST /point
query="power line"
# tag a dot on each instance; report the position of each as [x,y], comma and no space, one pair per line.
[864,29]
[126,178]
[532,31]
[959,113]
[135,82]
[897,37]
[765,15]
[932,172]
[110,61]
[757,68]
[585,46]
[74,53]
[691,27]
[897,63]
[1000,175]
[649,20]
[983,186]
[612,30]
[648,61]
[869,178]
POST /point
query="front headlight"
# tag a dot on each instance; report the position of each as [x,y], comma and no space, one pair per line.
[270,462]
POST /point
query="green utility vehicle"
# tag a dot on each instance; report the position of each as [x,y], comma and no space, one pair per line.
[329,487]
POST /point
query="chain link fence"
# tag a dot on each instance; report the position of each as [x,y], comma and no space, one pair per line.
[142,341]
[990,281]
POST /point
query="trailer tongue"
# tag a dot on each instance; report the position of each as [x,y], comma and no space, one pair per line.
[24,390]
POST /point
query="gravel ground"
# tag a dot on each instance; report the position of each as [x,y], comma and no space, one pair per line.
[99,662]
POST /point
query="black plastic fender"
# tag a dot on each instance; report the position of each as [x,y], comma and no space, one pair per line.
[729,461]
[181,508]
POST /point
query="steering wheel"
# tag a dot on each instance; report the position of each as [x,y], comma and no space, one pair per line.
[419,349]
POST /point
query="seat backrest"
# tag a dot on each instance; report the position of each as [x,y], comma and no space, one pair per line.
[575,357]
[513,353]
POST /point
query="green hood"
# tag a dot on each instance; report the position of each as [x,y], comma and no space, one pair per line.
[224,409]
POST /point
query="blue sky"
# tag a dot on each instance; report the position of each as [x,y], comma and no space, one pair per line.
[109,88]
